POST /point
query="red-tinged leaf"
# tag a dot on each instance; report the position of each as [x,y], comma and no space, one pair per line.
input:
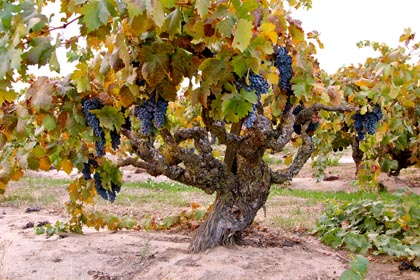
[40,94]
[297,32]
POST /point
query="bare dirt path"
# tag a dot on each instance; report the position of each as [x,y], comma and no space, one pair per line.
[158,255]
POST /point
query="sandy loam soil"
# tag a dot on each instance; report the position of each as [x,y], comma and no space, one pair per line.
[265,254]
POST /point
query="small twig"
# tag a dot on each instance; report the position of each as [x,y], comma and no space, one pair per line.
[62,26]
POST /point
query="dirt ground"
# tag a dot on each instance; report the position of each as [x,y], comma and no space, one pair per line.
[267,254]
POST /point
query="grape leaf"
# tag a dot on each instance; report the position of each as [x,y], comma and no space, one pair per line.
[173,23]
[202,7]
[49,122]
[96,13]
[40,94]
[156,11]
[109,117]
[215,70]
[236,106]
[269,30]
[135,7]
[225,26]
[243,34]
[40,52]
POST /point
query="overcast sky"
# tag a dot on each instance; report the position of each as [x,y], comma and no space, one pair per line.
[342,23]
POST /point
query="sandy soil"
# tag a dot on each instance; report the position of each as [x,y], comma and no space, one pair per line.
[267,254]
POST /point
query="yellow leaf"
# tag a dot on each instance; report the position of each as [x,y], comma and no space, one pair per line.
[288,160]
[393,93]
[269,30]
[126,97]
[16,175]
[297,32]
[364,83]
[243,34]
[44,163]
[67,166]
[3,187]
[273,76]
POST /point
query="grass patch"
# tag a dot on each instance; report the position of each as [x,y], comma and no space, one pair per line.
[300,209]
[167,186]
[34,191]
[314,197]
[270,159]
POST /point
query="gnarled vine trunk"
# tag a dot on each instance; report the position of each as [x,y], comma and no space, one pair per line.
[242,181]
[234,210]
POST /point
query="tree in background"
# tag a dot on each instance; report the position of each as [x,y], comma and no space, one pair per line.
[250,73]
[385,88]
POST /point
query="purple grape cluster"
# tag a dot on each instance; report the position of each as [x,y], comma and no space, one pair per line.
[367,123]
[312,127]
[115,139]
[151,113]
[86,171]
[160,112]
[93,122]
[104,193]
[257,83]
[283,62]
[252,116]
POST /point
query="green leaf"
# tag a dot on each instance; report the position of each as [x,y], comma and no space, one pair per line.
[247,7]
[96,13]
[53,62]
[170,221]
[109,117]
[40,52]
[128,222]
[243,34]
[156,11]
[202,7]
[49,122]
[350,275]
[225,26]
[239,65]
[236,106]
[135,7]
[173,23]
[39,230]
[216,71]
